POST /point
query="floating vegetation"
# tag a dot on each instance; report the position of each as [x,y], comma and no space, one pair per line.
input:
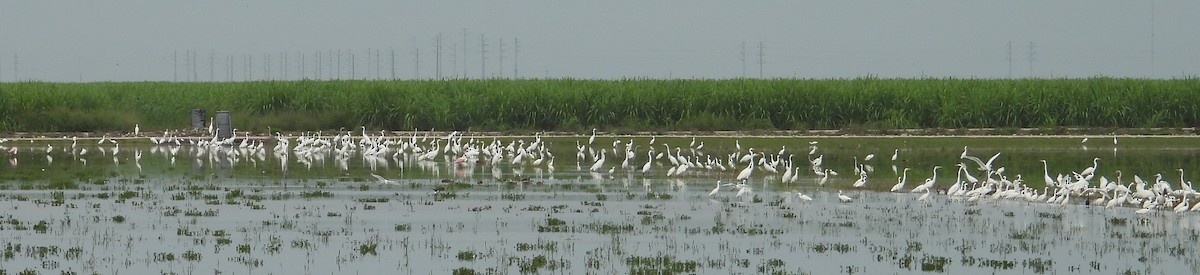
[660,265]
[316,194]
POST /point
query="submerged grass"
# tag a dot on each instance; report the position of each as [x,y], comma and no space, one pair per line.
[616,105]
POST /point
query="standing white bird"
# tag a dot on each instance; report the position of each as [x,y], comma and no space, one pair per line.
[928,181]
[869,157]
[649,159]
[802,196]
[599,162]
[925,197]
[745,174]
[715,189]
[862,181]
[844,198]
[1091,170]
[896,154]
[903,179]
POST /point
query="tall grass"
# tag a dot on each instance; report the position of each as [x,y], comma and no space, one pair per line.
[637,104]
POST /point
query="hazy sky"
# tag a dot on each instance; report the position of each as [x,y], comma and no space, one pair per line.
[124,40]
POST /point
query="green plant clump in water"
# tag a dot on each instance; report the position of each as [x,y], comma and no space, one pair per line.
[367,248]
[660,265]
[467,256]
[316,194]
[934,263]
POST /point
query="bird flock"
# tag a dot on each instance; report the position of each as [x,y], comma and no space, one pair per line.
[976,179]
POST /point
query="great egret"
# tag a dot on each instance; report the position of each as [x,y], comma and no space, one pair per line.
[844,198]
[900,184]
[862,181]
[745,174]
[599,162]
[1046,177]
[787,175]
[649,159]
[715,189]
[593,138]
[925,197]
[896,154]
[383,180]
[1090,170]
[802,196]
[928,181]
[743,189]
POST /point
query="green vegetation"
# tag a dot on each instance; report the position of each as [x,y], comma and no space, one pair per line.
[636,104]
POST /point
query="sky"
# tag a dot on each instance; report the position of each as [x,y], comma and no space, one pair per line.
[224,40]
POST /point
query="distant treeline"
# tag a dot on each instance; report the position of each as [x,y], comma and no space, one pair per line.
[635,104]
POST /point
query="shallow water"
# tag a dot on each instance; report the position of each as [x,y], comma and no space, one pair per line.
[193,208]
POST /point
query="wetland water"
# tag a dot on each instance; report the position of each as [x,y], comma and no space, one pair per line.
[312,208]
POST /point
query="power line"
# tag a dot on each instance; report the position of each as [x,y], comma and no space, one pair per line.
[1009,58]
[1030,58]
[760,59]
[454,60]
[465,73]
[438,57]
[416,61]
[482,57]
[500,71]
[516,51]
[743,59]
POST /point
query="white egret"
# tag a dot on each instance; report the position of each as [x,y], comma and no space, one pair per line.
[900,184]
[802,196]
[862,181]
[1090,170]
[928,181]
[745,174]
[844,198]
[1046,176]
[925,197]
[715,189]
[896,154]
[649,159]
[383,180]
